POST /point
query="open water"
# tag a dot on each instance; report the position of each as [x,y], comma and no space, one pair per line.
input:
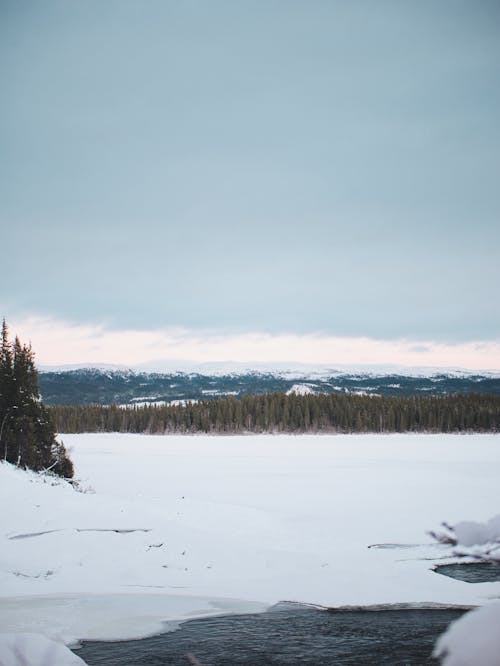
[286,636]
[478,572]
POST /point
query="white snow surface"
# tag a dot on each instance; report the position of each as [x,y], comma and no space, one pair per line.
[288,370]
[143,403]
[185,526]
[301,389]
[35,649]
[472,640]
[161,403]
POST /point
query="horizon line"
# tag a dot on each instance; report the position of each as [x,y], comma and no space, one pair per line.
[57,342]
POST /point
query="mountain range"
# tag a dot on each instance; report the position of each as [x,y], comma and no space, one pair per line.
[83,386]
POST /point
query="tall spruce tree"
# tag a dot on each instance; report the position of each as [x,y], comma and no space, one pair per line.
[27,436]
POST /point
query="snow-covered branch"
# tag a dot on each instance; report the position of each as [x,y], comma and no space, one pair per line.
[480,541]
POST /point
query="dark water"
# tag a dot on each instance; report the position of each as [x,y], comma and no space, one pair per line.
[286,637]
[480,572]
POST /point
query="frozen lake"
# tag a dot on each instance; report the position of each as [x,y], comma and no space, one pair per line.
[183,527]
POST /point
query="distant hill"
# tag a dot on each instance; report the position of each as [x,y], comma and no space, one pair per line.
[86,386]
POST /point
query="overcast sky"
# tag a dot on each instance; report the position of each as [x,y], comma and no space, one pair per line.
[282,168]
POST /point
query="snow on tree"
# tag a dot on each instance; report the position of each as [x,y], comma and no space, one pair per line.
[480,541]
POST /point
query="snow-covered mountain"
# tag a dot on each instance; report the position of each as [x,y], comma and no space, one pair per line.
[108,385]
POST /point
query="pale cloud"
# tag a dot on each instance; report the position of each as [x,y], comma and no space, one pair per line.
[58,342]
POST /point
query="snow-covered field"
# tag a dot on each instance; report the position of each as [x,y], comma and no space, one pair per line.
[178,527]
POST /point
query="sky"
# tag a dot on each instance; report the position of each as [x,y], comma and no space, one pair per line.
[196,177]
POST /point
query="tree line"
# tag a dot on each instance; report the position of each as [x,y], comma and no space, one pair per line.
[279,412]
[27,433]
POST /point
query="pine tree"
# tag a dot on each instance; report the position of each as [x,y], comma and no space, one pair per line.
[6,377]
[27,436]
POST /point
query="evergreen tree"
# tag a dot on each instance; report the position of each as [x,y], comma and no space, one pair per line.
[275,412]
[27,436]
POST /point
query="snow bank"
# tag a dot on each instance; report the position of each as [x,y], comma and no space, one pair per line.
[31,649]
[473,640]
[179,527]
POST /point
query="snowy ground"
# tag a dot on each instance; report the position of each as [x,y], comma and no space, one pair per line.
[181,527]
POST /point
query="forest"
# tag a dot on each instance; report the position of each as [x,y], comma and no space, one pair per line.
[279,412]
